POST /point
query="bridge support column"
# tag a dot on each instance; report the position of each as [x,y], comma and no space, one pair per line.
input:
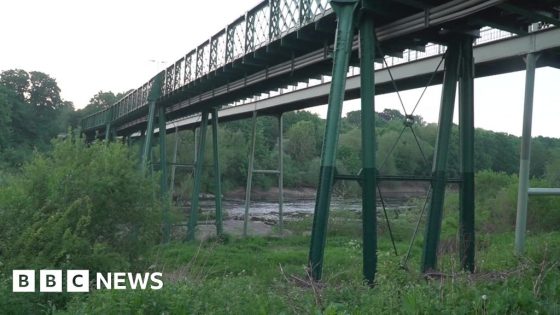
[147,148]
[108,132]
[198,169]
[174,164]
[343,46]
[217,173]
[439,167]
[141,141]
[250,173]
[525,156]
[281,173]
[369,173]
[163,167]
[155,93]
[108,128]
[466,140]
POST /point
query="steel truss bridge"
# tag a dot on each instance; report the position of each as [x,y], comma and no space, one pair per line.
[311,44]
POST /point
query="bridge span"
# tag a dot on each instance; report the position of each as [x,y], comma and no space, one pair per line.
[282,43]
[496,52]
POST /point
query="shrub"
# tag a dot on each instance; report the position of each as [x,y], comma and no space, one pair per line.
[78,207]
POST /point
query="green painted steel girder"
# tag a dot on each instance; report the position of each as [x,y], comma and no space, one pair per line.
[525,156]
[250,172]
[466,140]
[343,45]
[439,168]
[163,180]
[154,94]
[217,173]
[197,177]
[369,172]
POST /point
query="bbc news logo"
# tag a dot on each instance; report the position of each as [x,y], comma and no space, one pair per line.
[78,281]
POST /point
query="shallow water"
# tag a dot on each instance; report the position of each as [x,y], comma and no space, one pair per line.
[298,207]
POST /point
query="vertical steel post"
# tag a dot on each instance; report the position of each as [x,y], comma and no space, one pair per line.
[163,167]
[250,173]
[155,93]
[525,156]
[108,129]
[343,48]
[367,91]
[466,135]
[217,173]
[174,165]
[197,177]
[281,173]
[141,140]
[439,167]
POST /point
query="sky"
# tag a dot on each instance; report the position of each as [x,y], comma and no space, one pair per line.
[108,45]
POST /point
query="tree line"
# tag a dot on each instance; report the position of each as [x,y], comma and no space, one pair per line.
[32,113]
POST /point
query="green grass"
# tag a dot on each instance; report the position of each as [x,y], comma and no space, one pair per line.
[268,276]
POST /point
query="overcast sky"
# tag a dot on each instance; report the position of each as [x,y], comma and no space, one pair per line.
[110,45]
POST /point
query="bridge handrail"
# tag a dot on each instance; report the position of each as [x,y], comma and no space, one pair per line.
[266,22]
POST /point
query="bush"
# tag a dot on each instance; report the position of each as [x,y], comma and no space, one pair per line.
[79,207]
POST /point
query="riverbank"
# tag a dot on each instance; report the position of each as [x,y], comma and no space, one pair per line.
[267,275]
[403,190]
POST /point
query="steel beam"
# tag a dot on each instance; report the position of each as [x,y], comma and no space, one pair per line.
[217,173]
[439,167]
[343,47]
[197,177]
[369,172]
[250,173]
[174,163]
[466,140]
[281,174]
[525,156]
[544,191]
[154,94]
[163,179]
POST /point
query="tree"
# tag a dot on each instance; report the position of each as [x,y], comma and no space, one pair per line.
[37,113]
[44,92]
[301,145]
[16,80]
[5,117]
[103,100]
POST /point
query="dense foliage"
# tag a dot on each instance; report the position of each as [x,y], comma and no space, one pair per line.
[77,207]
